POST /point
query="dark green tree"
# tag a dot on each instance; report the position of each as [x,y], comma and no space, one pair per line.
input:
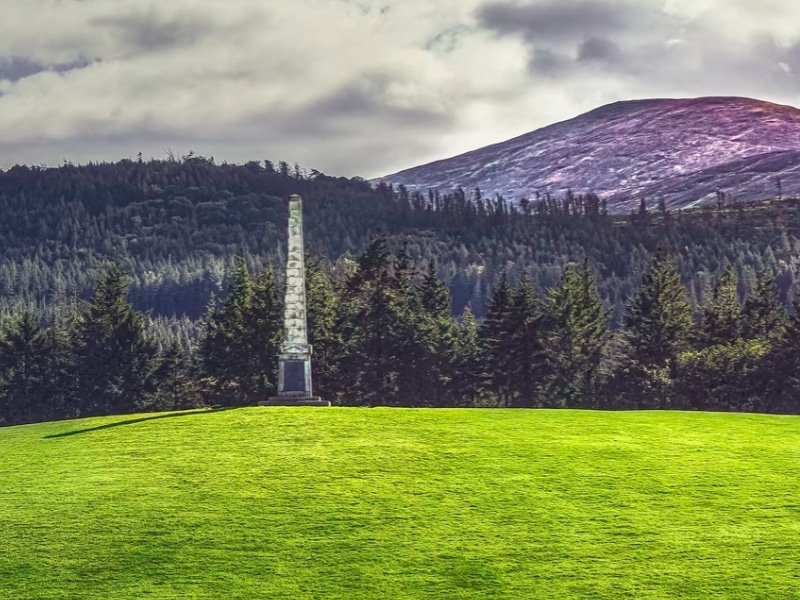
[777,380]
[658,321]
[325,330]
[263,328]
[373,326]
[763,315]
[495,336]
[722,313]
[22,349]
[577,334]
[115,359]
[468,362]
[239,349]
[658,325]
[528,364]
[432,330]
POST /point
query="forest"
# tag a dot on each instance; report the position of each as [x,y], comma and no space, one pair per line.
[151,285]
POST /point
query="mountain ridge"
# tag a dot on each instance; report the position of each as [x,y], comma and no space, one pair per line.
[681,150]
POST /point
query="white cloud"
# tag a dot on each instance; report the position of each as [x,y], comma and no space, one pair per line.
[353,87]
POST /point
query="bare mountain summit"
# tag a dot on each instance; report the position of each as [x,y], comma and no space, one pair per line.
[680,150]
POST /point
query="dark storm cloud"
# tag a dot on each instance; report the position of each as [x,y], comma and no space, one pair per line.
[600,50]
[645,46]
[563,36]
[549,62]
[149,32]
[14,68]
[363,102]
[370,97]
[559,20]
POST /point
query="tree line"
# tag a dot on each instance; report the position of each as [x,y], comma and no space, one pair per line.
[384,333]
[178,225]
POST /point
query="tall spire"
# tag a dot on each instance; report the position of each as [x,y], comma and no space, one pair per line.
[294,362]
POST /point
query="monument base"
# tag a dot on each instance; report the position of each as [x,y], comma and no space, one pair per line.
[294,401]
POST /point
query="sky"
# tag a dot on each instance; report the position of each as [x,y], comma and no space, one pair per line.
[361,87]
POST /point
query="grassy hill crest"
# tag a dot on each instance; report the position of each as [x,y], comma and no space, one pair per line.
[392,503]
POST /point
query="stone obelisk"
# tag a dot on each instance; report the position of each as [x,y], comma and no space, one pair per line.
[294,362]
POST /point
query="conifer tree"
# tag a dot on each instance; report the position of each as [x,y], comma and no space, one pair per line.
[763,315]
[778,379]
[176,377]
[722,313]
[435,337]
[467,366]
[414,369]
[372,327]
[114,357]
[658,324]
[577,333]
[239,349]
[22,346]
[222,351]
[658,321]
[495,338]
[434,295]
[263,323]
[526,356]
[324,330]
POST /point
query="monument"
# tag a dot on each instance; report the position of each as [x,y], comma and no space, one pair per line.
[294,361]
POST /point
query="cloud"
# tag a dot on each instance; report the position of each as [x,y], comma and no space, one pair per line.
[14,68]
[153,32]
[652,48]
[562,20]
[360,87]
[600,50]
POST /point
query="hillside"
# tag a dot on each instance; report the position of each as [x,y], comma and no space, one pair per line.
[680,150]
[178,224]
[353,503]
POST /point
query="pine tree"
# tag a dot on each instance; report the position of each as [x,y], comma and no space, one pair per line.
[658,324]
[263,326]
[778,379]
[435,339]
[577,333]
[114,357]
[22,346]
[525,354]
[722,314]
[658,321]
[324,330]
[176,380]
[763,315]
[434,295]
[415,371]
[372,328]
[468,361]
[495,337]
[242,337]
[223,352]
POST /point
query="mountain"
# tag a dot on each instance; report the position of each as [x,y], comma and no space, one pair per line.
[683,151]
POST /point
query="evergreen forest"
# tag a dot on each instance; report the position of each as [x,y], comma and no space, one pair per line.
[154,285]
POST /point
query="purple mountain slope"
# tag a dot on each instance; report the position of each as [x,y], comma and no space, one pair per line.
[680,150]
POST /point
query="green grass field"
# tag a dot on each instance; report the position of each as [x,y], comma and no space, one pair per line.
[380,503]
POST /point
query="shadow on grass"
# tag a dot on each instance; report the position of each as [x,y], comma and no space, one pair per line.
[140,420]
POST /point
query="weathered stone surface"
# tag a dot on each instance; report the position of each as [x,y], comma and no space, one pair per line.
[294,363]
